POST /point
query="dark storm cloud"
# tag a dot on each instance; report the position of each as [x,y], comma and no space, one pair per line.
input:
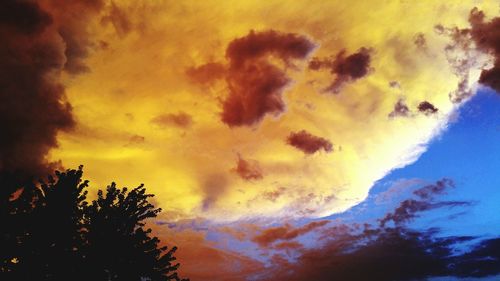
[180,119]
[248,169]
[23,17]
[345,68]
[486,35]
[427,108]
[37,45]
[33,107]
[255,85]
[378,252]
[400,109]
[308,143]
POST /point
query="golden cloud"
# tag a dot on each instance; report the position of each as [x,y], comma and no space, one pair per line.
[146,63]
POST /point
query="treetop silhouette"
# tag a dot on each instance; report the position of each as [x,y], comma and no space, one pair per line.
[53,233]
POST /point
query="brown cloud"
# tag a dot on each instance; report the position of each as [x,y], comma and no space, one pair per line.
[248,169]
[274,195]
[431,190]
[38,43]
[72,27]
[486,35]
[285,232]
[206,73]
[427,108]
[213,187]
[400,109]
[198,256]
[420,41]
[460,54]
[256,85]
[117,17]
[180,119]
[408,210]
[345,68]
[308,143]
[136,140]
[288,245]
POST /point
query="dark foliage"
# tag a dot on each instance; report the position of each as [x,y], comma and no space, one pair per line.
[50,232]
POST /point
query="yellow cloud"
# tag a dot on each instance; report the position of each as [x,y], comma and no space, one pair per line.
[139,72]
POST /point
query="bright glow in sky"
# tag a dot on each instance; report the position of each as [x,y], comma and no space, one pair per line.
[144,117]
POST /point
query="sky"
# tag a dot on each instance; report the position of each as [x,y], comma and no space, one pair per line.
[332,140]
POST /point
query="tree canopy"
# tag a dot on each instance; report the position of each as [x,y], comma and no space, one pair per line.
[52,232]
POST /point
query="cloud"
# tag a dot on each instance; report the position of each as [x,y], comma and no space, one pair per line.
[408,210]
[378,252]
[288,245]
[248,169]
[255,85]
[345,68]
[73,28]
[119,19]
[400,109]
[255,45]
[199,256]
[385,254]
[469,51]
[206,73]
[431,190]
[285,233]
[151,63]
[427,108]
[40,41]
[486,35]
[420,42]
[136,140]
[213,188]
[274,194]
[180,120]
[308,143]
[34,106]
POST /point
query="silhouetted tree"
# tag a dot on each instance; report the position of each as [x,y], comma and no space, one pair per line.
[52,233]
[16,216]
[46,230]
[120,248]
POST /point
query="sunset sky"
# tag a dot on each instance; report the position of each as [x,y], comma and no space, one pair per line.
[283,140]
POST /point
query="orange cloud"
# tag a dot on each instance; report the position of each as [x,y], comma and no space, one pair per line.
[285,232]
